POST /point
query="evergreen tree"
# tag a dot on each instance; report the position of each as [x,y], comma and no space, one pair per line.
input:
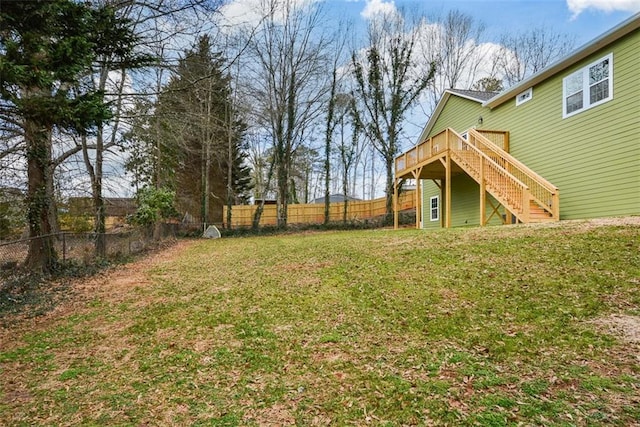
[192,136]
[47,49]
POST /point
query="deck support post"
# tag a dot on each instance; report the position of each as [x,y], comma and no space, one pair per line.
[555,205]
[483,195]
[395,204]
[447,190]
[526,200]
[416,176]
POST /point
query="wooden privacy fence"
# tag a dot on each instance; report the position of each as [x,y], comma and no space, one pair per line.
[242,215]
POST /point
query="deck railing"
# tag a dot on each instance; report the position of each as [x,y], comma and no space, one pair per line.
[425,150]
[438,144]
[498,137]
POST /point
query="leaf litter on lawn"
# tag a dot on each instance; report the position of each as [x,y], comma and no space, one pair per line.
[466,326]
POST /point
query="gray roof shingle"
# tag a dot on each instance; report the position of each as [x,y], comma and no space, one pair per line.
[478,95]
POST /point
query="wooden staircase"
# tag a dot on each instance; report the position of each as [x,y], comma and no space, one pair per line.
[524,193]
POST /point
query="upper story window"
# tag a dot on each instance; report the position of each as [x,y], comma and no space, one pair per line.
[588,87]
[524,96]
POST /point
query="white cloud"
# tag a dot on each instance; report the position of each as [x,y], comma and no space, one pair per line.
[241,13]
[248,13]
[375,7]
[579,6]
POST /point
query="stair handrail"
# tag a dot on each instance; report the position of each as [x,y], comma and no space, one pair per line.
[490,160]
[517,197]
[491,145]
[542,191]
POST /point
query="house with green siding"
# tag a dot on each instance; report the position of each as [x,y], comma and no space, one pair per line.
[562,144]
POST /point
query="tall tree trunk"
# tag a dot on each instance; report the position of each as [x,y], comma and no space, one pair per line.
[327,147]
[282,177]
[230,195]
[283,194]
[96,170]
[327,181]
[345,171]
[258,213]
[98,200]
[207,183]
[203,189]
[42,256]
[388,188]
[208,136]
[53,211]
[345,189]
[372,182]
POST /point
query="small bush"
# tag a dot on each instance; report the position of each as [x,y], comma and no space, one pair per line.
[76,224]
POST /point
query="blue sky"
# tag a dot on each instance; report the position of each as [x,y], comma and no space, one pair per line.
[582,19]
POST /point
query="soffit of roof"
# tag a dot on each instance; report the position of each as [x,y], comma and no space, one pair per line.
[582,52]
[443,100]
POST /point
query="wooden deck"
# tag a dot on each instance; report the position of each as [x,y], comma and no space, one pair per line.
[483,155]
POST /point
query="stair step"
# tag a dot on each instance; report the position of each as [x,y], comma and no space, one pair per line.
[539,220]
[468,161]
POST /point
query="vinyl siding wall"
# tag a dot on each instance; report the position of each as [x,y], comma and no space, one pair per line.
[429,190]
[593,157]
[459,114]
[465,203]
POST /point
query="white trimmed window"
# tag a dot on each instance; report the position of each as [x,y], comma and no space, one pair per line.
[588,87]
[434,208]
[524,96]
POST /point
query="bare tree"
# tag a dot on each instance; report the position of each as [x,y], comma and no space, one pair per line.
[332,121]
[453,44]
[161,28]
[526,53]
[388,85]
[288,81]
[347,148]
[331,125]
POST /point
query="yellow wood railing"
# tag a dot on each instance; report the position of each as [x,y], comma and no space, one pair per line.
[542,192]
[437,145]
[504,186]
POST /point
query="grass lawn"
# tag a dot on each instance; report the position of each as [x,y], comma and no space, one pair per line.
[494,326]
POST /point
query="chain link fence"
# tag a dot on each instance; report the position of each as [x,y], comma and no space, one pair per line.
[80,248]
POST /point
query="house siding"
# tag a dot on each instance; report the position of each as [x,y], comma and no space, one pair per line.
[459,114]
[465,203]
[429,190]
[593,157]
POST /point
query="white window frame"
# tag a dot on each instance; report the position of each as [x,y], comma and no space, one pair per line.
[586,85]
[525,96]
[435,209]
